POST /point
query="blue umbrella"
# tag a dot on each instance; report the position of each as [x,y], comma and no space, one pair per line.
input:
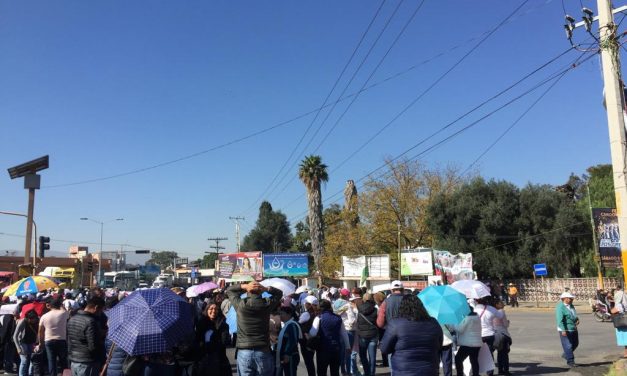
[445,304]
[231,320]
[150,321]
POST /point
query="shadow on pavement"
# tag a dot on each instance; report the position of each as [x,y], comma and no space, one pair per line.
[535,369]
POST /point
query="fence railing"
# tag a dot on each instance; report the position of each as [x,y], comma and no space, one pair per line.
[550,289]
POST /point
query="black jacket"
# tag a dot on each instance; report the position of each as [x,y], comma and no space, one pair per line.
[85,343]
[367,320]
[214,351]
[253,316]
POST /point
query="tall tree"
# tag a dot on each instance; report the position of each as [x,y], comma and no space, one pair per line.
[313,173]
[163,259]
[271,232]
[302,238]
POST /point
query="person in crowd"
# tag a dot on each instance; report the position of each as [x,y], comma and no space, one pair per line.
[469,343]
[389,308]
[567,322]
[512,292]
[254,356]
[274,327]
[212,334]
[620,299]
[368,334]
[379,298]
[69,303]
[115,354]
[333,339]
[346,311]
[501,330]
[25,339]
[287,356]
[487,314]
[503,293]
[446,351]
[414,339]
[53,335]
[85,340]
[306,320]
[7,329]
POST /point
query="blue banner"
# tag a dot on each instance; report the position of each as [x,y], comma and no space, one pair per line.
[285,265]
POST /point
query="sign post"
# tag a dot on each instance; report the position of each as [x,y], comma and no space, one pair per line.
[540,270]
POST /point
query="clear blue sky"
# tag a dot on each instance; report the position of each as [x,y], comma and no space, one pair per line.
[109,87]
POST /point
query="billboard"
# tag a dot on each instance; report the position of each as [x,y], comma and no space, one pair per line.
[417,261]
[285,265]
[608,237]
[378,266]
[240,266]
[453,267]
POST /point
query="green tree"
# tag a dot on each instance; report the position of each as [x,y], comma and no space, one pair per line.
[312,172]
[208,261]
[163,259]
[302,239]
[271,232]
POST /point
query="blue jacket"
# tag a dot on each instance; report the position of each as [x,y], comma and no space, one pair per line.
[117,359]
[414,345]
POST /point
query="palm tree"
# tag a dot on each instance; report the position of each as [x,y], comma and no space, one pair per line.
[312,172]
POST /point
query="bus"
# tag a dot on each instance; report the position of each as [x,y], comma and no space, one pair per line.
[126,281]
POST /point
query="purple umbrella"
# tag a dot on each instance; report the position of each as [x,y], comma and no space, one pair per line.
[203,287]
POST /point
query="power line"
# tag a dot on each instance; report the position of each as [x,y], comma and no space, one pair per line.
[385,26]
[433,85]
[337,80]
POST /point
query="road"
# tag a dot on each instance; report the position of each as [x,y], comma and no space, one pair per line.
[536,349]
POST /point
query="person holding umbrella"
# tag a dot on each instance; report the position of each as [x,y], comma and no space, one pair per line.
[254,356]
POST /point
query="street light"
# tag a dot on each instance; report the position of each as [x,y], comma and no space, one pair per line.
[101,223]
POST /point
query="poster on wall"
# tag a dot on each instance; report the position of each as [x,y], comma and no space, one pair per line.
[453,267]
[352,266]
[285,265]
[608,236]
[240,266]
[378,266]
[417,262]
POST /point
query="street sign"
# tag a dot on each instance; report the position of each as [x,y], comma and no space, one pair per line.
[540,270]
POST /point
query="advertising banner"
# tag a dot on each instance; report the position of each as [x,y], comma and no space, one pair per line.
[378,266]
[285,265]
[352,266]
[240,266]
[606,228]
[417,261]
[453,267]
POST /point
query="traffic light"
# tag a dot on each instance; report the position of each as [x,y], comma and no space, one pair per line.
[90,266]
[142,251]
[44,244]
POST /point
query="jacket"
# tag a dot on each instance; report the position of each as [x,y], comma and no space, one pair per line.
[566,319]
[117,359]
[366,320]
[85,344]
[414,345]
[253,316]
[469,331]
[20,331]
[389,309]
[213,352]
[487,315]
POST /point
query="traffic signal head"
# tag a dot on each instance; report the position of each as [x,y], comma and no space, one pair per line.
[44,245]
[90,266]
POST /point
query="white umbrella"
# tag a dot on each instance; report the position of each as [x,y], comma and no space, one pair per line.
[302,289]
[191,293]
[284,285]
[471,288]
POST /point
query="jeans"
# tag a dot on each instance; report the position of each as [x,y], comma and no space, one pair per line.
[569,344]
[348,363]
[328,358]
[254,363]
[368,354]
[462,354]
[86,369]
[308,358]
[56,348]
[502,355]
[446,356]
[25,358]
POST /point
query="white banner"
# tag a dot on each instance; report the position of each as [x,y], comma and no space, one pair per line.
[353,266]
[379,266]
[417,262]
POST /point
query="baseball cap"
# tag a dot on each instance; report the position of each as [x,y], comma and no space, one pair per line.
[396,285]
[311,300]
[345,292]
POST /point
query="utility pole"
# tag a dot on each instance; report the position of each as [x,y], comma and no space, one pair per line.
[399,251]
[614,101]
[237,219]
[597,253]
[217,247]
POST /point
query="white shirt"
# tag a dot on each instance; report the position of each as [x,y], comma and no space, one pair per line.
[487,315]
[316,326]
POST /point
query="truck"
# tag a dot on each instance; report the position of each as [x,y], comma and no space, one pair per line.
[65,276]
[124,280]
[163,281]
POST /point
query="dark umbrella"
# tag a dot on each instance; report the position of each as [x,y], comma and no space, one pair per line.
[150,321]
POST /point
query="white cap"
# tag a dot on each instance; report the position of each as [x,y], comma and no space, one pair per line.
[311,300]
[567,295]
[396,285]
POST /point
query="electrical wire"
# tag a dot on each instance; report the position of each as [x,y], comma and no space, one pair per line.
[326,99]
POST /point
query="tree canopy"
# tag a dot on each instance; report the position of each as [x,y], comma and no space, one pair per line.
[163,259]
[271,232]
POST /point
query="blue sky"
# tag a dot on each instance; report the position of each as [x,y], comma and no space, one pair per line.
[110,87]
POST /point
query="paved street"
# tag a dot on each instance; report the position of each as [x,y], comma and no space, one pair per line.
[536,349]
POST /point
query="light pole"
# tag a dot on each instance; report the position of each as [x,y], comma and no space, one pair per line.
[101,223]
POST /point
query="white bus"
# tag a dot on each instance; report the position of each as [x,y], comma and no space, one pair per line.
[126,281]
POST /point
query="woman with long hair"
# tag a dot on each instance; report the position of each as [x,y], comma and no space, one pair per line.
[414,339]
[212,334]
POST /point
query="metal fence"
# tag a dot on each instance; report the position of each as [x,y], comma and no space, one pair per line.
[549,289]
